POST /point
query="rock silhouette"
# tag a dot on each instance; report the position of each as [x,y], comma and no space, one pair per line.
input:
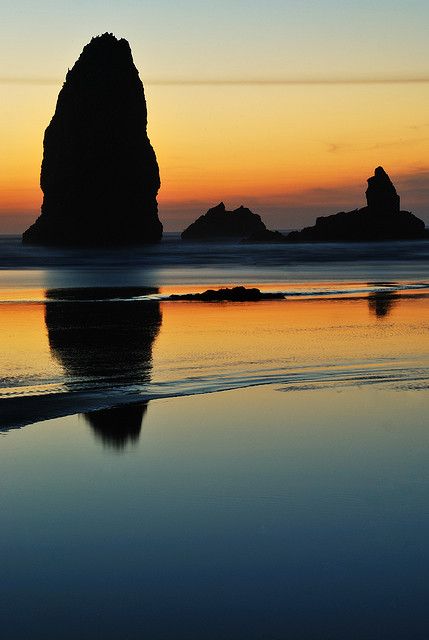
[218,223]
[105,343]
[233,294]
[266,235]
[99,175]
[381,196]
[381,219]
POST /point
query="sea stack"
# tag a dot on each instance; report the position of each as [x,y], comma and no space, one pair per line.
[99,175]
[381,219]
[220,224]
[381,196]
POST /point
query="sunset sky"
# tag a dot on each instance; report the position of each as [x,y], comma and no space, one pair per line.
[284,106]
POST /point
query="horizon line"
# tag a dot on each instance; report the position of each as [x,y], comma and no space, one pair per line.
[371,80]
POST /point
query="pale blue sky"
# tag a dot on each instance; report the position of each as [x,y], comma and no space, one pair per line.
[233,39]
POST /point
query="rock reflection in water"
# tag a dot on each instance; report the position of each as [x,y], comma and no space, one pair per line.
[381,303]
[103,338]
[117,427]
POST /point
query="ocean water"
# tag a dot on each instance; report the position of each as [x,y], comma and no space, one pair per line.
[214,471]
[96,328]
[174,262]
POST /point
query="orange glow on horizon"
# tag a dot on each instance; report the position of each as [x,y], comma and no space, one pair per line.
[270,147]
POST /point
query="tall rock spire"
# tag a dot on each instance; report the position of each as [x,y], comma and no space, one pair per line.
[99,176]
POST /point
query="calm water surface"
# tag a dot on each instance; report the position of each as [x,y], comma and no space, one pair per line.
[257,513]
[174,262]
[282,495]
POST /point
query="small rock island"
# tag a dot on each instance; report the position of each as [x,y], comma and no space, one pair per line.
[220,224]
[381,219]
[229,294]
[99,175]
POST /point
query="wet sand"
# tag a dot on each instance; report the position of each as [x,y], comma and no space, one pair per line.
[63,355]
[94,329]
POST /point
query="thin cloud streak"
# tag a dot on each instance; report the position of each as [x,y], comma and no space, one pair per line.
[357,80]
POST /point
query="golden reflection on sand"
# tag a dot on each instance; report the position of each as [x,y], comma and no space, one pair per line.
[292,332]
[24,344]
[21,295]
[197,338]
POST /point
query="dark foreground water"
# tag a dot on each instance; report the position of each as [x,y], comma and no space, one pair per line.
[253,471]
[174,262]
[257,513]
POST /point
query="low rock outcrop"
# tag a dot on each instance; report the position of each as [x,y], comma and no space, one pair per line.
[99,176]
[218,224]
[381,219]
[234,294]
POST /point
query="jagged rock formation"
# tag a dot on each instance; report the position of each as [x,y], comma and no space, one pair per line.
[233,294]
[381,219]
[99,176]
[218,223]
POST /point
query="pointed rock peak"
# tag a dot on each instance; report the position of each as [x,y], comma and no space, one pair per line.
[219,208]
[105,37]
[104,52]
[105,41]
[379,172]
[381,194]
[380,176]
